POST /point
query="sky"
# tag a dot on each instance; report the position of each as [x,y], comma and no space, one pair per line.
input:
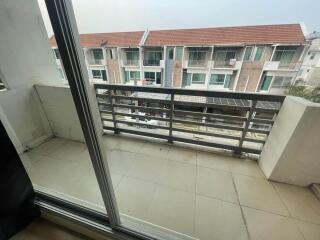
[95,16]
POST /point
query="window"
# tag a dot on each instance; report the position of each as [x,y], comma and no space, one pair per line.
[198,78]
[170,53]
[221,79]
[56,53]
[97,54]
[258,55]
[197,56]
[247,54]
[284,55]
[225,55]
[152,58]
[266,83]
[132,76]
[179,52]
[217,79]
[99,74]
[281,82]
[132,55]
[153,77]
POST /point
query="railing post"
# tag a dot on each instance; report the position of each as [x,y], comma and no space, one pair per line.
[246,125]
[171,117]
[111,100]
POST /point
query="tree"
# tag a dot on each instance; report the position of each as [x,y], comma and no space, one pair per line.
[304,92]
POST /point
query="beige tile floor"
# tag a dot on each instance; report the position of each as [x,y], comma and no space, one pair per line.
[199,193]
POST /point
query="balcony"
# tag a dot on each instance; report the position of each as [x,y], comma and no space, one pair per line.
[230,64]
[153,63]
[131,63]
[182,186]
[197,63]
[92,61]
[277,65]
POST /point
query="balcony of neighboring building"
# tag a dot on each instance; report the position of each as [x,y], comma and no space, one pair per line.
[131,57]
[227,58]
[284,58]
[153,57]
[95,56]
[197,57]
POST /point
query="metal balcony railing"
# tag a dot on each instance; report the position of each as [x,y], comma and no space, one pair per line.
[197,63]
[93,61]
[240,122]
[131,62]
[151,62]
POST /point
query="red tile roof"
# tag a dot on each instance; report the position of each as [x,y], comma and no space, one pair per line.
[263,34]
[121,39]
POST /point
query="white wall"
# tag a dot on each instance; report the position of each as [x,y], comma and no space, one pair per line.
[292,151]
[25,59]
[60,110]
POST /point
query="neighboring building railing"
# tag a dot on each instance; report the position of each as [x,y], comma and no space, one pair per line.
[131,62]
[197,63]
[226,120]
[151,62]
[92,61]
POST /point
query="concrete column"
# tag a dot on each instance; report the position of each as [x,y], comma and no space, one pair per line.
[291,153]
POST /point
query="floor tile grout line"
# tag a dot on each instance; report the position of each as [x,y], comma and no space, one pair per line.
[283,202]
[242,213]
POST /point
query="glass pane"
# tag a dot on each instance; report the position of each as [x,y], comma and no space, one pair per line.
[247,54]
[179,52]
[266,83]
[259,52]
[217,79]
[41,112]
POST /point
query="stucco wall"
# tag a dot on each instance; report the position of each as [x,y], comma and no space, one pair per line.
[252,70]
[177,74]
[25,59]
[291,153]
[60,110]
[114,76]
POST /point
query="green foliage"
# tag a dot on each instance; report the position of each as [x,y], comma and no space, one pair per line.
[304,92]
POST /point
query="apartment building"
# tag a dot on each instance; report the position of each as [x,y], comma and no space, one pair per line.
[310,69]
[262,58]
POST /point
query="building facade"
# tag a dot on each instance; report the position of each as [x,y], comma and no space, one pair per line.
[309,73]
[263,58]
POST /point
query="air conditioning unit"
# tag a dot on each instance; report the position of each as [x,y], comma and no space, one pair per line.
[232,62]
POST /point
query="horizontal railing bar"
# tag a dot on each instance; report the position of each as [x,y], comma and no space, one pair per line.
[102,95]
[208,125]
[142,124]
[258,131]
[179,139]
[261,120]
[193,92]
[147,109]
[254,140]
[217,145]
[104,104]
[206,133]
[210,105]
[142,116]
[213,115]
[141,99]
[106,112]
[146,134]
[266,110]
[107,119]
